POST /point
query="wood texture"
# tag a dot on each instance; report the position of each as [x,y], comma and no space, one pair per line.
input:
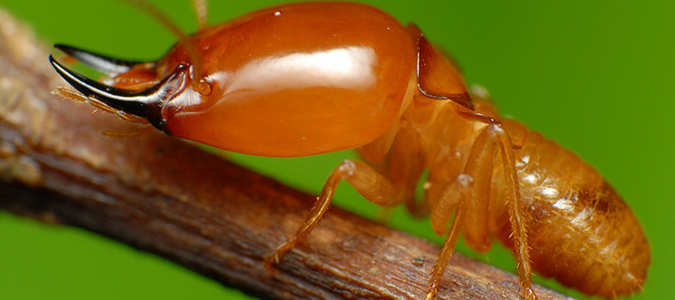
[167,197]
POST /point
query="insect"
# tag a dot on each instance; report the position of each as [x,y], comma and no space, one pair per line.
[309,78]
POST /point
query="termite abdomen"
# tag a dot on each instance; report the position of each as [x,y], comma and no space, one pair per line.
[581,232]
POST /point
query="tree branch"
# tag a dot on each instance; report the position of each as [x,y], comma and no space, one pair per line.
[170,198]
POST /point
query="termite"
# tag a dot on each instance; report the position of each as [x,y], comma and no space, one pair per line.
[309,78]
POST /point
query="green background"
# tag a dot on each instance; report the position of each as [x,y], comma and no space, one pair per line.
[595,76]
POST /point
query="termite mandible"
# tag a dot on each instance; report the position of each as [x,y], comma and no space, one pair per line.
[309,78]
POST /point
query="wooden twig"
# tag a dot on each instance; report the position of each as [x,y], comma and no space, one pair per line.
[170,198]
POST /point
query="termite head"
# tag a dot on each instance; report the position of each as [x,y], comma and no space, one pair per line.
[132,87]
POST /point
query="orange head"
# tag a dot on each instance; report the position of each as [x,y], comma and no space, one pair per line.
[290,80]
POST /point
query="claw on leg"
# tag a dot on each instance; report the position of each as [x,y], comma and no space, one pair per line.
[528,293]
[275,257]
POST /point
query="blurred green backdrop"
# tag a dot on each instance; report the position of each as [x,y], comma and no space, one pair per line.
[595,76]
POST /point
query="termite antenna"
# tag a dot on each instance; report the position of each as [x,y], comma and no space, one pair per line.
[199,84]
[201,12]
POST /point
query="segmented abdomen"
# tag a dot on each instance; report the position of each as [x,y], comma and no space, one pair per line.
[580,231]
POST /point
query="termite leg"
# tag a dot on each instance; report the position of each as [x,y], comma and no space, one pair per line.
[403,165]
[450,199]
[479,166]
[371,184]
[476,235]
[517,216]
[445,256]
[468,195]
[77,96]
[404,168]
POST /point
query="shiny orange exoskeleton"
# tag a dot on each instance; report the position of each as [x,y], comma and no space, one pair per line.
[308,78]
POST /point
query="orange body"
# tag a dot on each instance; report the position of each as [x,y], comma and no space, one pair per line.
[309,78]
